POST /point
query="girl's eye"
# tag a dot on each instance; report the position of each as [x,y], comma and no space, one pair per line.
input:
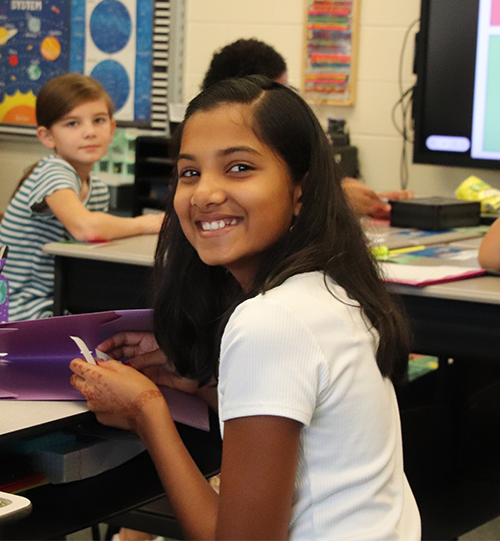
[100,120]
[188,173]
[71,123]
[240,168]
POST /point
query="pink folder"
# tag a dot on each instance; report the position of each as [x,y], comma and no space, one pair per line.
[35,357]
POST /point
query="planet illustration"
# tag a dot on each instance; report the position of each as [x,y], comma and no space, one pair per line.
[34,24]
[6,34]
[113,77]
[110,26]
[50,48]
[34,72]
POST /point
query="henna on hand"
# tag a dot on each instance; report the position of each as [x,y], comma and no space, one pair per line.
[138,403]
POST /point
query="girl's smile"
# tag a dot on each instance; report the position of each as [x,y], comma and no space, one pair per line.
[234,198]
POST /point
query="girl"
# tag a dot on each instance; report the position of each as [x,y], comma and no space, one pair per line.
[59,198]
[268,292]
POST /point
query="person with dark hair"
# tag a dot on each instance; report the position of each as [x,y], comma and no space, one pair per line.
[253,57]
[246,57]
[59,198]
[267,300]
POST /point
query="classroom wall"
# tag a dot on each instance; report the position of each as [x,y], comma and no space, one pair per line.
[383,24]
[213,23]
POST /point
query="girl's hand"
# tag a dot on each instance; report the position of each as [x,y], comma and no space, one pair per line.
[131,344]
[145,356]
[114,392]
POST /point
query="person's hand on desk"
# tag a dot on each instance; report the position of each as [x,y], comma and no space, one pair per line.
[366,202]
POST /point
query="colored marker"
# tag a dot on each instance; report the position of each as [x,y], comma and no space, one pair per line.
[406,250]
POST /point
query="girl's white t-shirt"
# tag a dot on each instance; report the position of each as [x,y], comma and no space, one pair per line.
[301,352]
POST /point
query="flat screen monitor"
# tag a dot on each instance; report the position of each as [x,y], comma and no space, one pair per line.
[456,104]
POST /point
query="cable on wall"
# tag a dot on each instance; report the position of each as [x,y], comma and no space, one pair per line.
[404,104]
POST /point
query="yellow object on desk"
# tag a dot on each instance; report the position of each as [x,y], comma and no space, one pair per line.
[407,249]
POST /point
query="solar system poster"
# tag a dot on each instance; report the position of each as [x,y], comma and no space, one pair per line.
[110,40]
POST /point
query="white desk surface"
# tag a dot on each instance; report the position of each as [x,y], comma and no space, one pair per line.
[140,251]
[485,289]
[137,250]
[22,414]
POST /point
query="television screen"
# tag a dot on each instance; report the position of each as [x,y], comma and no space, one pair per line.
[456,104]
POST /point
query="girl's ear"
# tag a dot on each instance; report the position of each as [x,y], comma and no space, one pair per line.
[45,136]
[297,199]
[297,196]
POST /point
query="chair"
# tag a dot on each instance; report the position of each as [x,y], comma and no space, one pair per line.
[12,508]
[155,517]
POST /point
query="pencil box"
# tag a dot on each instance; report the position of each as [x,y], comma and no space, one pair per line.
[435,213]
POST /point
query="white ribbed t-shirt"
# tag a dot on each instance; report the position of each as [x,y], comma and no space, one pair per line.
[302,353]
[31,271]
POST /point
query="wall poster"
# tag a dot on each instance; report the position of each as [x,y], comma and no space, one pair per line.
[331,45]
[110,40]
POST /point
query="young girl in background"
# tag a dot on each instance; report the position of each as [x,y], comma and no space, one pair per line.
[269,298]
[59,198]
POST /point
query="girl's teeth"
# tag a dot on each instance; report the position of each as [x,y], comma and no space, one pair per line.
[213,226]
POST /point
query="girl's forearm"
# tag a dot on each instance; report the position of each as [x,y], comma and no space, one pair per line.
[193,500]
[103,226]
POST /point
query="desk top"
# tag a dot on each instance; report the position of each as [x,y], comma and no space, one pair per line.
[20,415]
[483,289]
[137,250]
[140,251]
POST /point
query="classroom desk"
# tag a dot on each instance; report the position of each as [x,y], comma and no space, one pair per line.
[454,320]
[21,419]
[59,510]
[450,418]
[100,277]
[447,320]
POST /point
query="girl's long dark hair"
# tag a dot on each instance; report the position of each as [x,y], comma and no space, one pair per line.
[194,300]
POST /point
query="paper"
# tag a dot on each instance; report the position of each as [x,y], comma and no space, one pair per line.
[420,275]
[84,350]
[37,354]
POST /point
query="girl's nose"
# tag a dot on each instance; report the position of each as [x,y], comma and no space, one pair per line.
[89,129]
[208,192]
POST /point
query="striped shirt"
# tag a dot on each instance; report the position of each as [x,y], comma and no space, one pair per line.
[26,229]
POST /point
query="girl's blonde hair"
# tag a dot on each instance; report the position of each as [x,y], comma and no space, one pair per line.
[62,94]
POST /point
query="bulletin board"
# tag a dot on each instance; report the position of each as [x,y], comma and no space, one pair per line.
[110,40]
[331,47]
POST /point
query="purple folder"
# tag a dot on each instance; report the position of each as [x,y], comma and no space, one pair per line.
[35,357]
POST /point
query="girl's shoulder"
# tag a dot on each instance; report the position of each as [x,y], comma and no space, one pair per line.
[52,168]
[50,165]
[305,298]
[54,162]
[308,289]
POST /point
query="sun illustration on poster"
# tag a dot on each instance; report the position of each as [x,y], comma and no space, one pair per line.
[18,109]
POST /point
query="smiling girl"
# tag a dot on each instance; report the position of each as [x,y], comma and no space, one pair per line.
[59,198]
[269,298]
